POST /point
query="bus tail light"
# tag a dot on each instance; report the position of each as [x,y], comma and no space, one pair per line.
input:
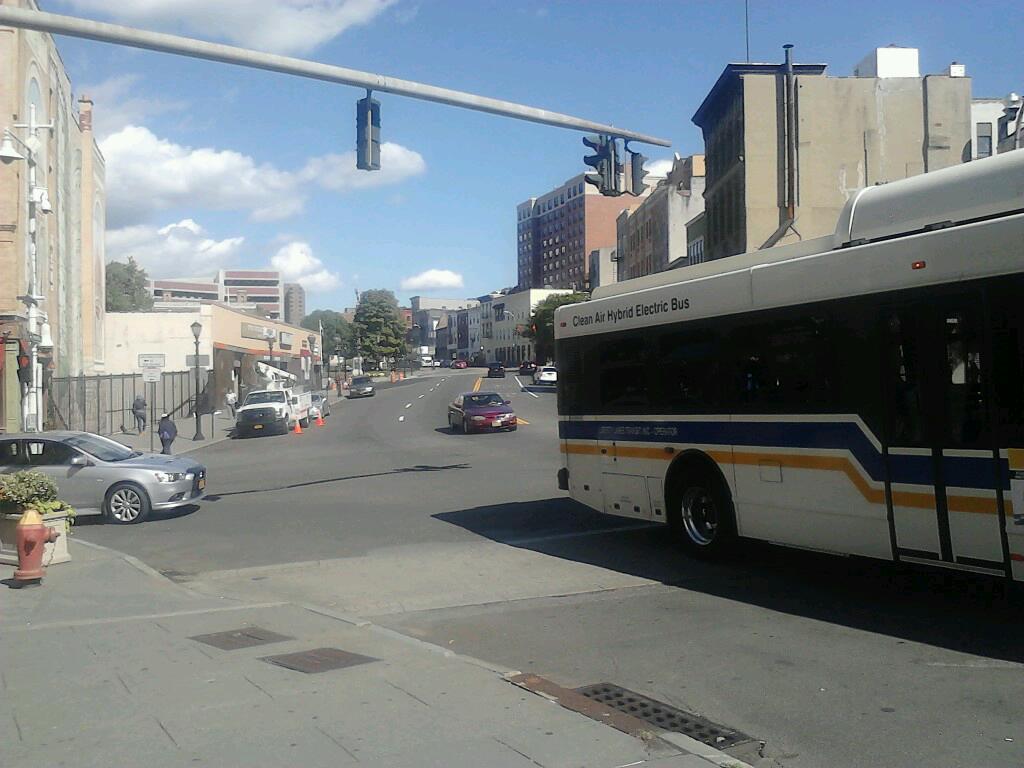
[918,265]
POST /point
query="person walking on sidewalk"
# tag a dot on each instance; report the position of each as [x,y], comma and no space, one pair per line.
[139,412]
[167,431]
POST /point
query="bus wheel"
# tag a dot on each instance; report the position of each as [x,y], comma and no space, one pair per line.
[703,517]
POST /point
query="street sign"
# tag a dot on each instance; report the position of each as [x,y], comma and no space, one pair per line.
[158,360]
[190,361]
[151,373]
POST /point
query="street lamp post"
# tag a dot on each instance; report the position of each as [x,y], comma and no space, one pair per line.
[270,346]
[38,200]
[197,328]
[310,338]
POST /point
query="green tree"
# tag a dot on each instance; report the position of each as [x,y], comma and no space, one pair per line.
[379,330]
[126,287]
[542,323]
[338,332]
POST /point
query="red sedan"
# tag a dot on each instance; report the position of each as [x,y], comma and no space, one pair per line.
[460,364]
[476,411]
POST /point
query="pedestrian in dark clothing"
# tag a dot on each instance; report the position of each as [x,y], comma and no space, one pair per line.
[139,412]
[167,431]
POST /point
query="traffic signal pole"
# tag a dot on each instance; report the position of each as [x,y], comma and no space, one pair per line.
[71,26]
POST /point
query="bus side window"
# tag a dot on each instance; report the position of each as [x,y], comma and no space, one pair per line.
[1008,363]
[903,383]
[689,374]
[624,374]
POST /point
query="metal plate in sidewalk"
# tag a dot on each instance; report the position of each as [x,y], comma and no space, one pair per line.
[318,660]
[662,716]
[246,637]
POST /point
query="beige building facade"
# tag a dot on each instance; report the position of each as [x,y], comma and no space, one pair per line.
[845,133]
[652,235]
[68,208]
[233,341]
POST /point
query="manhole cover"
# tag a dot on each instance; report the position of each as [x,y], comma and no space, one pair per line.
[663,716]
[246,637]
[318,660]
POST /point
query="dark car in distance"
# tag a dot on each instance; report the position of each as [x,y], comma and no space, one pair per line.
[495,370]
[526,368]
[460,364]
[476,411]
[361,386]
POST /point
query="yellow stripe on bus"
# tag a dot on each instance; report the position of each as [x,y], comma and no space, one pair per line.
[911,499]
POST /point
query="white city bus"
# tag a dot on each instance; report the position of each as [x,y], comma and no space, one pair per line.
[861,393]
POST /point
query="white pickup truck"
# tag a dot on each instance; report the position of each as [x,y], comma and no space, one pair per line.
[272,410]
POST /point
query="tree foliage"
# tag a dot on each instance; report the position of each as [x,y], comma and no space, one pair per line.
[338,332]
[542,323]
[379,330]
[126,287]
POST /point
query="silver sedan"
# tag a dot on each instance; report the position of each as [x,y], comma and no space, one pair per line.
[97,475]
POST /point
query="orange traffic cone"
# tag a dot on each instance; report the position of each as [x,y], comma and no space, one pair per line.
[319,419]
[298,427]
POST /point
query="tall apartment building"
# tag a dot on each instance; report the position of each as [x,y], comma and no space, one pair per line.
[653,234]
[294,303]
[255,290]
[556,232]
[786,146]
[66,327]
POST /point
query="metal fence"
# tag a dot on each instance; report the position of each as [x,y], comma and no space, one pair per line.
[103,404]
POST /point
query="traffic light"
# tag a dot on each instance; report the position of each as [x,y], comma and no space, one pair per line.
[24,365]
[605,161]
[635,174]
[368,134]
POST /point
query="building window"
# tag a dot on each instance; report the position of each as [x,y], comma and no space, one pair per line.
[984,131]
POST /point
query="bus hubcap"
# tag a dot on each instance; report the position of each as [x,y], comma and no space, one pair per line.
[700,516]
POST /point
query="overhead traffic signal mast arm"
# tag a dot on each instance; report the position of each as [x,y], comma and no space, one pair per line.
[200,49]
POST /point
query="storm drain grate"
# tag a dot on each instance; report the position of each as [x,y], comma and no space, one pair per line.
[318,660]
[246,637]
[662,716]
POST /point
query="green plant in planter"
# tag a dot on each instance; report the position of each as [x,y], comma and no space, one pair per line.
[31,489]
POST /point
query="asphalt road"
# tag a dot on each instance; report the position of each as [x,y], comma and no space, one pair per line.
[465,541]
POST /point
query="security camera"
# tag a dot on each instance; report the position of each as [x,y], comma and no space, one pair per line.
[42,200]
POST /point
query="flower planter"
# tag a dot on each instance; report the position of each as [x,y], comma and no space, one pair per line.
[54,553]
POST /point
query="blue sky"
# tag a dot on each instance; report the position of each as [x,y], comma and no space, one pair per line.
[211,165]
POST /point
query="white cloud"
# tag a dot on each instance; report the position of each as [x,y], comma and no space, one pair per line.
[298,265]
[339,172]
[177,249]
[432,280]
[116,106]
[146,174]
[658,167]
[281,26]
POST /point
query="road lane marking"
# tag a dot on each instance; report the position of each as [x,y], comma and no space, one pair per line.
[401,418]
[524,389]
[580,534]
[476,385]
[521,420]
[420,397]
[408,405]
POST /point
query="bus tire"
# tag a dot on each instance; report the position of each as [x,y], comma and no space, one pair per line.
[701,514]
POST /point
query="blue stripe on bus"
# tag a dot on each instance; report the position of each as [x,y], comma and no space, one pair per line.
[960,471]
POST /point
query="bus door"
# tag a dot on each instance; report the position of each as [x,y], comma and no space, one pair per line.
[942,469]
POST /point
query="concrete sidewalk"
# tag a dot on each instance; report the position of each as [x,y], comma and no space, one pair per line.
[101,666]
[216,427]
